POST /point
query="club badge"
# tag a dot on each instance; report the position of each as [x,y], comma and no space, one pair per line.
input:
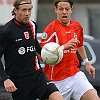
[26,34]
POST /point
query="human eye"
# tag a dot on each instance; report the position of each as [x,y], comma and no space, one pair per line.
[30,9]
[67,9]
[24,10]
[60,9]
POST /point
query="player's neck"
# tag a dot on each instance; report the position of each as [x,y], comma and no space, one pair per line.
[67,23]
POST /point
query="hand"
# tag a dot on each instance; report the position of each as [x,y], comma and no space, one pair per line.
[71,44]
[90,69]
[9,86]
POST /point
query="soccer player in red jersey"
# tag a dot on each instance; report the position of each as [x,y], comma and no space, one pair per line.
[23,75]
[66,75]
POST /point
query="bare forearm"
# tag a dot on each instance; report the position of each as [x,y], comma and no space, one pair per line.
[83,54]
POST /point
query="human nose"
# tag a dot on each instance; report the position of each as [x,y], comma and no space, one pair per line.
[64,10]
[27,12]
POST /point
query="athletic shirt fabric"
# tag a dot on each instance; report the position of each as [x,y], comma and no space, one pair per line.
[19,45]
[61,34]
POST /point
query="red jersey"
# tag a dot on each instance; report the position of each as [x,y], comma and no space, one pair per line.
[61,34]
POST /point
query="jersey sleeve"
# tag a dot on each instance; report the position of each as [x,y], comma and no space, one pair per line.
[81,36]
[3,45]
[48,35]
[37,45]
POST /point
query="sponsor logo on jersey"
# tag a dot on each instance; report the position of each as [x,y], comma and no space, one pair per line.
[44,35]
[70,51]
[18,40]
[26,34]
[23,50]
[68,32]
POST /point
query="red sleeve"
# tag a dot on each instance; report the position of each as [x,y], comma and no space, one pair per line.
[48,34]
[81,35]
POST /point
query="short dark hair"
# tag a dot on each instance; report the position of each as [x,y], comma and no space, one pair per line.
[57,1]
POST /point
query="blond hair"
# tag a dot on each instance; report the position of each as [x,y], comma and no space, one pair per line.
[16,4]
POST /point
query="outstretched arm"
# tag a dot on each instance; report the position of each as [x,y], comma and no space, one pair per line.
[89,67]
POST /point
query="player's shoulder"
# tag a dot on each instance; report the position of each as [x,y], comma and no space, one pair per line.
[76,23]
[34,22]
[36,26]
[8,26]
[52,25]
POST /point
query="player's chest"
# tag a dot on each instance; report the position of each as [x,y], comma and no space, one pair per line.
[65,34]
[22,37]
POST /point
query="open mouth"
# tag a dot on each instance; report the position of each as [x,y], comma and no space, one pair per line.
[64,17]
